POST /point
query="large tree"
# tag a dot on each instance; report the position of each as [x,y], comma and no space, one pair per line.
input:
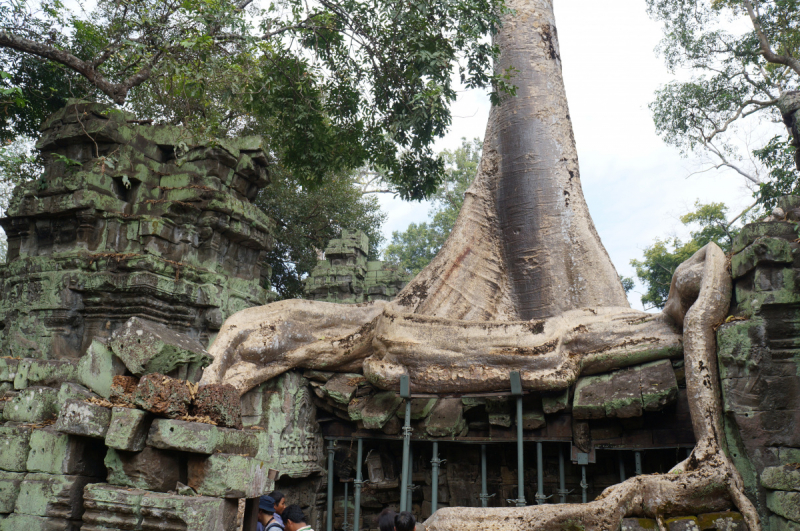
[332,85]
[744,59]
[522,283]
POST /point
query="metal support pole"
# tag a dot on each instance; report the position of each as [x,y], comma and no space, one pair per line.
[638,463]
[329,516]
[540,497]
[562,476]
[435,462]
[584,484]
[484,489]
[516,389]
[345,525]
[405,392]
[357,483]
[410,478]
[621,463]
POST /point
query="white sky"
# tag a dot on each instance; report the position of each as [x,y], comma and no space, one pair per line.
[635,185]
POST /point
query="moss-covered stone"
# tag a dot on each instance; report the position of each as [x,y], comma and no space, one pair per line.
[27,522]
[201,438]
[47,373]
[420,408]
[150,469]
[776,523]
[162,395]
[446,418]
[9,489]
[220,403]
[682,523]
[73,391]
[761,251]
[786,504]
[638,524]
[379,408]
[659,386]
[128,429]
[14,447]
[53,452]
[555,402]
[34,404]
[590,397]
[57,496]
[786,477]
[97,368]
[754,231]
[722,521]
[84,418]
[229,476]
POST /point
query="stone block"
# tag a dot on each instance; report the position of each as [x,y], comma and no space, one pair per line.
[34,404]
[84,418]
[196,437]
[44,373]
[624,399]
[379,408]
[97,368]
[110,507]
[356,405]
[229,476]
[499,411]
[555,403]
[14,448]
[776,523]
[27,522]
[682,523]
[163,396]
[658,383]
[123,390]
[420,408]
[533,419]
[786,504]
[762,250]
[8,369]
[53,452]
[150,469]
[192,513]
[128,429]
[56,496]
[71,390]
[789,456]
[342,387]
[638,524]
[219,402]
[9,489]
[590,397]
[785,477]
[724,521]
[146,348]
[754,231]
[446,419]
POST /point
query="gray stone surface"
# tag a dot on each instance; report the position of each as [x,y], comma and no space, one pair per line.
[786,477]
[446,418]
[34,404]
[786,504]
[379,408]
[14,447]
[128,429]
[83,418]
[70,390]
[9,490]
[57,496]
[150,469]
[97,368]
[196,437]
[27,522]
[229,476]
[53,452]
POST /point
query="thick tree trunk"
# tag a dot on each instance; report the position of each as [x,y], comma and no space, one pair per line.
[524,246]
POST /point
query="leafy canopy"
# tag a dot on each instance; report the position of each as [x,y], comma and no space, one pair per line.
[665,255]
[333,85]
[743,56]
[414,248]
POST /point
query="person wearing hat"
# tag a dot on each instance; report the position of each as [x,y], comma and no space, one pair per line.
[266,515]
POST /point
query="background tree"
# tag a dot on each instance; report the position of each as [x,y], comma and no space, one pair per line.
[662,258]
[307,219]
[332,85]
[738,80]
[415,247]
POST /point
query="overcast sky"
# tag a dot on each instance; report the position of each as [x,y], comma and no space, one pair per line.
[635,185]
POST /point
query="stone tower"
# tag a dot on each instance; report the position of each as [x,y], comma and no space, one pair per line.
[130,219]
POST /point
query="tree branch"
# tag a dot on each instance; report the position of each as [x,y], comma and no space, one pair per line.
[766,49]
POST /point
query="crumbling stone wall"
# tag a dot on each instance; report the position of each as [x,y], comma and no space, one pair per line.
[347,277]
[130,219]
[759,360]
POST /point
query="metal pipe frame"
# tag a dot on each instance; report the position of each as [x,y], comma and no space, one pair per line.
[516,389]
[621,463]
[357,484]
[562,476]
[405,393]
[435,462]
[484,489]
[540,497]
[329,515]
[409,502]
[584,484]
[345,525]
[638,456]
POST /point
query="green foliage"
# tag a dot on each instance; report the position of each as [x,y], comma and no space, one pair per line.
[17,165]
[307,219]
[779,158]
[662,258]
[734,77]
[334,86]
[627,283]
[414,248]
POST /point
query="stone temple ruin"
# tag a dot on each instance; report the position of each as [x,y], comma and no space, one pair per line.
[138,241]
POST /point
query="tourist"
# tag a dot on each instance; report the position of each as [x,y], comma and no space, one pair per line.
[280,505]
[405,521]
[386,520]
[294,519]
[266,515]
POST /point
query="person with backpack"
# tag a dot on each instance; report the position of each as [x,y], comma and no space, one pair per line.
[266,515]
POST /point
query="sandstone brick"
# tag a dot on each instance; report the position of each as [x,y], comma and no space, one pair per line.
[163,396]
[128,429]
[34,404]
[590,397]
[379,408]
[44,373]
[556,402]
[53,452]
[683,523]
[446,419]
[342,387]
[786,504]
[57,496]
[27,522]
[110,507]
[201,438]
[785,477]
[658,383]
[638,524]
[71,390]
[84,418]
[14,447]
[97,368]
[229,476]
[420,408]
[221,403]
[724,521]
[150,469]
[193,513]
[9,489]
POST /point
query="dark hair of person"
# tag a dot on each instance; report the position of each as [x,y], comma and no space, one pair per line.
[405,521]
[277,496]
[294,513]
[386,520]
